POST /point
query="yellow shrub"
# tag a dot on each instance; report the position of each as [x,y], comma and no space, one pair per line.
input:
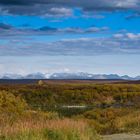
[11,106]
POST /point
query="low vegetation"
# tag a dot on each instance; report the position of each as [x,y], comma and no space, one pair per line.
[55,129]
[40,112]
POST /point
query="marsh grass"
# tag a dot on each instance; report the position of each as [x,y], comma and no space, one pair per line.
[55,129]
[129,123]
[17,122]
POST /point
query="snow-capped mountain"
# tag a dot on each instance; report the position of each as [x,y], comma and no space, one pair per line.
[80,75]
[137,78]
[29,76]
[35,76]
[11,76]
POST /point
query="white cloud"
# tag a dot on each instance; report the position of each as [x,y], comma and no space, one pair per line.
[8,30]
[59,12]
[118,35]
[127,43]
[132,36]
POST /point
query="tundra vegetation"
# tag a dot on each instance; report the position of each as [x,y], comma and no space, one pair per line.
[68,111]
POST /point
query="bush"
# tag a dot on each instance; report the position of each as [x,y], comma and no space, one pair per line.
[41,82]
[10,105]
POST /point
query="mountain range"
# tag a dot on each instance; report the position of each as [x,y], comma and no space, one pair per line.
[80,75]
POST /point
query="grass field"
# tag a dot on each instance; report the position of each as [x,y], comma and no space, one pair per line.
[69,111]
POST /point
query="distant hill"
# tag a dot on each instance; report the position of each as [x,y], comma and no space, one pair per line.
[80,75]
[89,76]
[35,76]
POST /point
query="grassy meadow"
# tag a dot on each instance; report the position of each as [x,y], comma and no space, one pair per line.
[68,111]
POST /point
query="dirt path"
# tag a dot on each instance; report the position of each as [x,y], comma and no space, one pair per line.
[121,137]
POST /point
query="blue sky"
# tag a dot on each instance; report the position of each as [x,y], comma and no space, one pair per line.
[70,36]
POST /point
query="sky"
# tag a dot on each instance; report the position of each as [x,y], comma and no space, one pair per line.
[48,36]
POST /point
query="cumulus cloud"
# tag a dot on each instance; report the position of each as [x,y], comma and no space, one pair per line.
[63,7]
[43,10]
[83,31]
[60,12]
[132,36]
[127,43]
[8,30]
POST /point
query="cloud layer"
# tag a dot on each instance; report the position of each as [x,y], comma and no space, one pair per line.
[127,43]
[8,30]
[64,7]
[19,41]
